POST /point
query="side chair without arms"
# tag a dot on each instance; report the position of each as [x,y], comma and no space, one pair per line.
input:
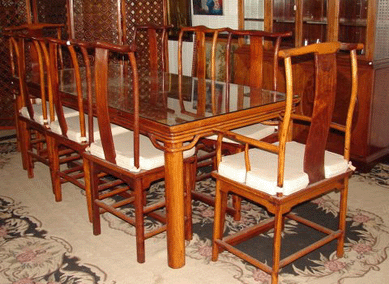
[30,107]
[33,119]
[152,55]
[257,41]
[261,131]
[129,158]
[282,175]
[200,70]
[73,133]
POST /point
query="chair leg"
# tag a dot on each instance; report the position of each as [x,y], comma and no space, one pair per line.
[87,181]
[139,221]
[190,183]
[342,218]
[236,200]
[30,162]
[95,196]
[55,167]
[22,142]
[278,225]
[25,148]
[17,106]
[219,218]
[237,204]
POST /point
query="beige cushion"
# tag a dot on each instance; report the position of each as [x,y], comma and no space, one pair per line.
[334,164]
[263,174]
[256,131]
[74,132]
[38,113]
[150,157]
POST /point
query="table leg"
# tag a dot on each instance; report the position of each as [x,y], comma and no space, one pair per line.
[174,187]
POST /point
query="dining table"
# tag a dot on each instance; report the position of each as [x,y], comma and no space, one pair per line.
[175,112]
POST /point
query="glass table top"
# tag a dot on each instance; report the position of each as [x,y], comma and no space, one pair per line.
[163,101]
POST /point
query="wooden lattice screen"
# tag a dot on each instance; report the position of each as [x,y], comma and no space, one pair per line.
[95,20]
[141,13]
[105,20]
[52,12]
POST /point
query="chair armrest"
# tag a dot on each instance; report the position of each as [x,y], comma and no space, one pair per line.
[241,139]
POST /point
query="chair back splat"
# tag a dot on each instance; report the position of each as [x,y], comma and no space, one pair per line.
[79,62]
[102,109]
[282,175]
[256,40]
[152,40]
[152,57]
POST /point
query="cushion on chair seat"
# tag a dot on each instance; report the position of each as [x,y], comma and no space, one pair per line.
[263,174]
[334,164]
[38,113]
[256,131]
[74,132]
[150,157]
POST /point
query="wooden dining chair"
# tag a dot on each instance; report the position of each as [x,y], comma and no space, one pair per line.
[30,108]
[259,43]
[202,38]
[280,176]
[33,114]
[68,132]
[129,159]
[206,41]
[67,136]
[257,40]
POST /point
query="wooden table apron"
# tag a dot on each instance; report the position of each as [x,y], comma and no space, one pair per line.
[171,140]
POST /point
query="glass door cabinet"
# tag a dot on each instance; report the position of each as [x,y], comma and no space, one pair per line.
[358,21]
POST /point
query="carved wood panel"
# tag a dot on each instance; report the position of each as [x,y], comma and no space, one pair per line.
[53,12]
[96,20]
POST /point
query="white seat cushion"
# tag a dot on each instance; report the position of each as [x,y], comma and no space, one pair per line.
[334,164]
[149,158]
[256,131]
[233,167]
[263,174]
[38,113]
[74,132]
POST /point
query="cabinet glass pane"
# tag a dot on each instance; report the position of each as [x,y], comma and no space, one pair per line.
[254,14]
[352,20]
[284,18]
[314,21]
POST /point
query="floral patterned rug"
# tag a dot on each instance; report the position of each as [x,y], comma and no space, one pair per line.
[367,238]
[29,254]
